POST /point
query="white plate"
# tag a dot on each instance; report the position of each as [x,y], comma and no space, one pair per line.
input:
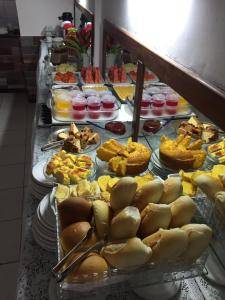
[43,243]
[46,212]
[38,175]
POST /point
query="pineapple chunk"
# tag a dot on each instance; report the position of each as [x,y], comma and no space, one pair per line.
[103,182]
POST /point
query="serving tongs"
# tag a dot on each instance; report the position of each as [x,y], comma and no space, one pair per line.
[52,145]
[60,275]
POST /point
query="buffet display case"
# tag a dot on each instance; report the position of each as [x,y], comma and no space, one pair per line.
[172,279]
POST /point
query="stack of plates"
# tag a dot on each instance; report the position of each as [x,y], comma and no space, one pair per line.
[40,185]
[44,225]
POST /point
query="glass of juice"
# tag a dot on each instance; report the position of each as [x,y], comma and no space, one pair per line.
[93,106]
[158,103]
[62,102]
[171,103]
[79,107]
[145,104]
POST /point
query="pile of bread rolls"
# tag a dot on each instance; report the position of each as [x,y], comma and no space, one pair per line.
[149,225]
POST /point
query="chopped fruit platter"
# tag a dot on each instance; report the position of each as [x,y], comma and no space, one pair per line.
[67,168]
[66,68]
[66,77]
[211,181]
[77,141]
[91,75]
[148,76]
[117,75]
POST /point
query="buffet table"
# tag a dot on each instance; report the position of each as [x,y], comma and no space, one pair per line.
[35,279]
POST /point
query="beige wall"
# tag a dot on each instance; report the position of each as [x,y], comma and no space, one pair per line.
[33,15]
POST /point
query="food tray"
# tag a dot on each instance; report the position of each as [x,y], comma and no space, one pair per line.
[129,81]
[152,113]
[102,81]
[130,278]
[77,76]
[98,115]
[51,180]
[89,148]
[160,169]
[125,96]
[97,87]
[86,115]
[154,80]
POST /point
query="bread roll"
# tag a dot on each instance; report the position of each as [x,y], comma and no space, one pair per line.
[222,179]
[153,217]
[74,209]
[93,263]
[209,185]
[102,217]
[74,233]
[182,211]
[167,245]
[199,236]
[150,192]
[125,224]
[220,202]
[128,253]
[172,190]
[122,193]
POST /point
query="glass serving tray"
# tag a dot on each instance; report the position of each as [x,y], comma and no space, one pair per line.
[52,180]
[76,75]
[89,148]
[128,278]
[160,169]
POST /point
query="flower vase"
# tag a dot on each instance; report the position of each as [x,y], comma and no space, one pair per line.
[110,60]
[85,60]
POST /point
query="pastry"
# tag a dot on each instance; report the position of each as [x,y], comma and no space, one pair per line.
[220,202]
[217,151]
[209,185]
[178,154]
[151,126]
[125,223]
[149,192]
[172,190]
[167,245]
[102,217]
[199,236]
[124,159]
[74,233]
[115,127]
[74,209]
[127,253]
[182,211]
[92,264]
[154,217]
[122,193]
[198,130]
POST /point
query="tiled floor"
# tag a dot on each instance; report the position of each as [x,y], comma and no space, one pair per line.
[16,116]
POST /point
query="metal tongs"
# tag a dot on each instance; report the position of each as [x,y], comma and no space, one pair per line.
[60,275]
[52,145]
